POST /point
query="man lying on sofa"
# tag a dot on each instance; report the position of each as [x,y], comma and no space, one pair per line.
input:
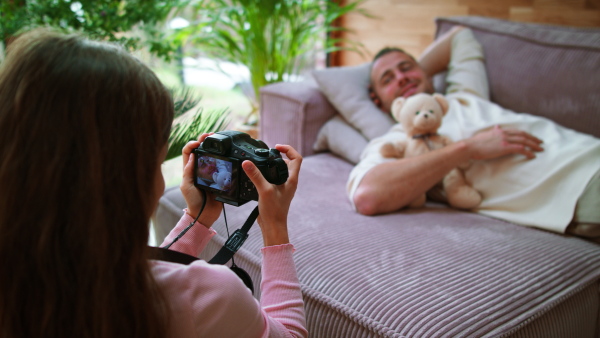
[520,181]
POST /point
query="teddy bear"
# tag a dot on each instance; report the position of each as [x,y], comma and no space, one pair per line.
[421,116]
[222,180]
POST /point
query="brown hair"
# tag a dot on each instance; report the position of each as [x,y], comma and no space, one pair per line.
[387,50]
[82,125]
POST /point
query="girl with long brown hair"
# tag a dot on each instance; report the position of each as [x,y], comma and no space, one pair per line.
[83,131]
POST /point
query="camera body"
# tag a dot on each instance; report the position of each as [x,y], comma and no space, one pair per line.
[218,166]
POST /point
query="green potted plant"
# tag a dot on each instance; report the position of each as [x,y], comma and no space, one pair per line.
[273,38]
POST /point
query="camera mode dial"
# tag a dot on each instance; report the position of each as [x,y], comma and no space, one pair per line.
[262,152]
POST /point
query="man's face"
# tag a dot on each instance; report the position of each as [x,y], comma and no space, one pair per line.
[396,74]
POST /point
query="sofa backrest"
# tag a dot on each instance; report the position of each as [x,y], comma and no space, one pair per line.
[549,71]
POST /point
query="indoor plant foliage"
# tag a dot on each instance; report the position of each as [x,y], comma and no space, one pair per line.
[273,38]
[99,19]
[191,121]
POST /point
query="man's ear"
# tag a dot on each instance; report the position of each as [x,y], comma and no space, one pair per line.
[442,102]
[373,96]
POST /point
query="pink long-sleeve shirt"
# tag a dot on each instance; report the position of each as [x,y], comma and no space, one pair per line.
[209,300]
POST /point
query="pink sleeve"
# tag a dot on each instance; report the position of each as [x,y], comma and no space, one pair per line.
[209,300]
[194,240]
[217,299]
[281,298]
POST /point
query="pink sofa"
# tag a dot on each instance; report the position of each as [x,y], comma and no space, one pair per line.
[436,272]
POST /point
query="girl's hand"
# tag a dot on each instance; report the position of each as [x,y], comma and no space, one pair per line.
[192,195]
[274,200]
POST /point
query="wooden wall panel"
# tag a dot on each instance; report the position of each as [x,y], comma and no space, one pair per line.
[409,24]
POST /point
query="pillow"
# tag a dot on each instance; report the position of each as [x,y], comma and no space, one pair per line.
[340,138]
[346,89]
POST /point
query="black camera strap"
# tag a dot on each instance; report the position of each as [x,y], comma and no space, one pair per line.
[235,241]
[231,246]
[164,254]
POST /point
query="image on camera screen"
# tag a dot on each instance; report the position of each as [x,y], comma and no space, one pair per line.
[218,174]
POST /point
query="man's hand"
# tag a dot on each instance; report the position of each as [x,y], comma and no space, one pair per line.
[191,194]
[497,142]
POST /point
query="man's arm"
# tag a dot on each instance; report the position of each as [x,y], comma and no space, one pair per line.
[436,57]
[458,52]
[393,185]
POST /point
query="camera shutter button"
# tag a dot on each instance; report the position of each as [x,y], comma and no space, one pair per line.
[262,152]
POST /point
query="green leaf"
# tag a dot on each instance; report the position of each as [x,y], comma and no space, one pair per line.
[191,122]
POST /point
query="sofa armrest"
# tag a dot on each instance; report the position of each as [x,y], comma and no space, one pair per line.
[293,113]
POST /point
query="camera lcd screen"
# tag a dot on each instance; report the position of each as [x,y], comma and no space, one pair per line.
[218,173]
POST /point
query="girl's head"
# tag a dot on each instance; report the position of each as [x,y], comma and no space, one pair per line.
[81,114]
[82,128]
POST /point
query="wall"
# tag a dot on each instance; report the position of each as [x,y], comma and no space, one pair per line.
[409,24]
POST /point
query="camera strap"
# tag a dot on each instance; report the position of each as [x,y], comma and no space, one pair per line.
[235,241]
[231,246]
[164,254]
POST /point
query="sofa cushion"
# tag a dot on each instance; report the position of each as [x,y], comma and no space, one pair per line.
[340,138]
[545,70]
[346,89]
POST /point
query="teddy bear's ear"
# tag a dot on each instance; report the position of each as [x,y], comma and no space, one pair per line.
[397,105]
[441,100]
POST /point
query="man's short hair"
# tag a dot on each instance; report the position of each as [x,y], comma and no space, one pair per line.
[387,50]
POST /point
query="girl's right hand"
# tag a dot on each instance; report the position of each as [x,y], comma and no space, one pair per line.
[274,200]
[193,198]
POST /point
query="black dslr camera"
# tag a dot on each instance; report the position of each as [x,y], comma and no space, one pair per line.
[218,166]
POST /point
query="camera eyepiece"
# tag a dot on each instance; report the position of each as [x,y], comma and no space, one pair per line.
[217,144]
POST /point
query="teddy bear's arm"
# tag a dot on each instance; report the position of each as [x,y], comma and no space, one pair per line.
[393,149]
[447,141]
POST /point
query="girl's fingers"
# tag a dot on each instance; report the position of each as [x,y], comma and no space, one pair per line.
[191,145]
[295,159]
[188,170]
[255,176]
[187,150]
